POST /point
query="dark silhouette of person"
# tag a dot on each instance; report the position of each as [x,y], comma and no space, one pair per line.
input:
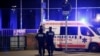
[41,41]
[49,41]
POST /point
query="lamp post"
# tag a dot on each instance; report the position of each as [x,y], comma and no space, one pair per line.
[13,8]
[65,11]
[43,6]
[13,17]
[41,11]
[48,10]
[21,19]
[76,12]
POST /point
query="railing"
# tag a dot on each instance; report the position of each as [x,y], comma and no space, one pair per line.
[14,38]
[14,32]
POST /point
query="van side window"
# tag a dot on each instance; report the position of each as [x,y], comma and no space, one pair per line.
[70,30]
[86,32]
[62,31]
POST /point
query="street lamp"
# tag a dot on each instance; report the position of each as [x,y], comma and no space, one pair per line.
[48,10]
[76,12]
[21,19]
[13,8]
[98,17]
[42,11]
[65,11]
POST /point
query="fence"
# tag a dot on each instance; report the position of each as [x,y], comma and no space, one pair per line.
[16,39]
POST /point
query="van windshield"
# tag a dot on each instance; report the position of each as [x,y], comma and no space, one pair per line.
[96,30]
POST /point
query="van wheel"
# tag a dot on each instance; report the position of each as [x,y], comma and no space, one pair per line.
[93,48]
[58,49]
[86,50]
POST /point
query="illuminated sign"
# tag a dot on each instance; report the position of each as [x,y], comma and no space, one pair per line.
[19,32]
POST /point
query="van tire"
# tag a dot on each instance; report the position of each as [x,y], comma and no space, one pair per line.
[86,50]
[93,48]
[58,49]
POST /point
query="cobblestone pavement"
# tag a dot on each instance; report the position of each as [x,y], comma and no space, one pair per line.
[56,53]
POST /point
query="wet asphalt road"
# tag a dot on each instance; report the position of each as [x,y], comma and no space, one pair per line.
[56,53]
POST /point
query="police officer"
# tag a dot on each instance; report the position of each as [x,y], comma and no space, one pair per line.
[41,41]
[49,41]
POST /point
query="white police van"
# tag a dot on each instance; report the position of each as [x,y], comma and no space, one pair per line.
[79,35]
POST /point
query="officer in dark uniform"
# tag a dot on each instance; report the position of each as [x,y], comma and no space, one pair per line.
[49,40]
[41,41]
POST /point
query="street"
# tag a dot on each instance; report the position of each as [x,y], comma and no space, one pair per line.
[56,53]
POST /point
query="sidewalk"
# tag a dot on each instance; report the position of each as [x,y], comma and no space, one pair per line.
[56,53]
[29,53]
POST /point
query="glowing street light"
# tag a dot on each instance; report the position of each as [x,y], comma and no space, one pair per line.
[13,8]
[65,11]
[83,20]
[98,17]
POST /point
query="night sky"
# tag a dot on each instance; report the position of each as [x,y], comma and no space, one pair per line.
[55,3]
[5,5]
[26,3]
[8,3]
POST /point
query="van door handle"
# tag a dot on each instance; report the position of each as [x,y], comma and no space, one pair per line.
[80,37]
[75,37]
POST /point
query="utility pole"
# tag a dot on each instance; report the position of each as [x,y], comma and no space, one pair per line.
[0,19]
[48,10]
[76,16]
[65,11]
[41,11]
[43,6]
[21,19]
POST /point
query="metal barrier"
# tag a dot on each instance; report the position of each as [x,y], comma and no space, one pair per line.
[14,39]
[12,32]
[4,43]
